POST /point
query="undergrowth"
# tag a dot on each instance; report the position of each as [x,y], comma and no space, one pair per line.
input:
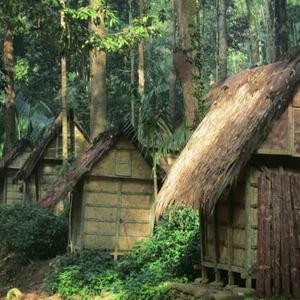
[168,256]
[30,233]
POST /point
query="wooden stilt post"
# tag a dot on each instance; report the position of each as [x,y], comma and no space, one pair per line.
[216,245]
[249,232]
[230,238]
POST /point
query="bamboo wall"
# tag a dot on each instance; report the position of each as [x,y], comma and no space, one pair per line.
[116,206]
[12,192]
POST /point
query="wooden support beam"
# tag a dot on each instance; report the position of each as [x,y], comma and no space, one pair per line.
[284,231]
[260,288]
[248,229]
[276,208]
[230,237]
[216,244]
[268,244]
[203,239]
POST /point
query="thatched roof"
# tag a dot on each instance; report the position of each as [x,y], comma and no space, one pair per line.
[18,148]
[40,149]
[242,113]
[100,146]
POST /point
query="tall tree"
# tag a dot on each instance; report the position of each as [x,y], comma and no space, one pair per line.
[64,86]
[132,71]
[98,74]
[270,31]
[172,75]
[281,28]
[8,58]
[187,25]
[141,69]
[252,33]
[221,72]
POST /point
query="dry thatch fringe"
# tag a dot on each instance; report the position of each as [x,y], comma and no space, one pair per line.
[244,109]
[59,190]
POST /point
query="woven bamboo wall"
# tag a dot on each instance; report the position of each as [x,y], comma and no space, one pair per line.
[117,202]
[12,192]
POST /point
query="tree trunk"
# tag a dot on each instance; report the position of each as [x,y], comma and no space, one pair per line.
[252,33]
[10,112]
[172,75]
[131,68]
[98,79]
[64,89]
[270,31]
[141,72]
[281,34]
[221,41]
[187,25]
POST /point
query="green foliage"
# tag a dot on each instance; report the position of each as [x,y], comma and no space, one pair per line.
[32,233]
[169,255]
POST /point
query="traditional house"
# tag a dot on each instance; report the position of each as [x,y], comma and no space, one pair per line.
[10,192]
[241,167]
[42,167]
[113,191]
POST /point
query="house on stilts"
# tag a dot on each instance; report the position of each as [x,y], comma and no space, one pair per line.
[241,168]
[112,194]
[42,167]
[10,191]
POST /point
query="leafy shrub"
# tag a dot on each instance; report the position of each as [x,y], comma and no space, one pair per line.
[32,233]
[168,256]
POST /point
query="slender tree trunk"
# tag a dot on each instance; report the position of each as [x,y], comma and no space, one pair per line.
[98,79]
[10,113]
[187,25]
[64,89]
[281,34]
[270,31]
[172,74]
[222,41]
[131,68]
[254,47]
[141,71]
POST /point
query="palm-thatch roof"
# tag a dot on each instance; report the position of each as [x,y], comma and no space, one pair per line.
[242,113]
[39,150]
[19,146]
[100,146]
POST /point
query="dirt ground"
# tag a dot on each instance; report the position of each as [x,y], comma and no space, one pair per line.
[28,279]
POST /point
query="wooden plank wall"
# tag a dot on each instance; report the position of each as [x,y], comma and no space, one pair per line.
[257,234]
[278,245]
[223,237]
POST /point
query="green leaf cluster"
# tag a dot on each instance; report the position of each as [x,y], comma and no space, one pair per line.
[168,256]
[32,233]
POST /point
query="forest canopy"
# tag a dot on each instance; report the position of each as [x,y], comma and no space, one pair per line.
[147,63]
